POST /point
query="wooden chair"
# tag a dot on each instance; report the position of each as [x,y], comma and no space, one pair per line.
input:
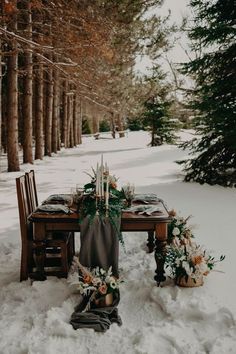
[33,202]
[32,191]
[59,247]
[26,234]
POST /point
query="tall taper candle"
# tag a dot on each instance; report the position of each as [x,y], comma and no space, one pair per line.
[102,177]
[107,192]
[96,191]
[99,182]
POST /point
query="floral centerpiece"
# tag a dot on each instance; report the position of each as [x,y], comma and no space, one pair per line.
[187,261]
[102,198]
[97,283]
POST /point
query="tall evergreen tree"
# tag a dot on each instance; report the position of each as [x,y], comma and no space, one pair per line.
[213,36]
[156,119]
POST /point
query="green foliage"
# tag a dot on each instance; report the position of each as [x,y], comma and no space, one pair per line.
[85,126]
[214,160]
[91,206]
[134,124]
[156,119]
[104,126]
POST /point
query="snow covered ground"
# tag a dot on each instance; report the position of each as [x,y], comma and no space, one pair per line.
[35,318]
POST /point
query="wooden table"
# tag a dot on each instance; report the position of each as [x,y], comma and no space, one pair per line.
[155,225]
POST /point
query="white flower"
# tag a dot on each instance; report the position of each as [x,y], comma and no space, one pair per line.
[177,262]
[113,284]
[186,267]
[96,281]
[175,231]
[108,279]
[202,267]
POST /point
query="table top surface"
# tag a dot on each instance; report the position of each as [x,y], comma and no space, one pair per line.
[161,215]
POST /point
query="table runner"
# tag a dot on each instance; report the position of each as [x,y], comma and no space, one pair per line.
[100,243]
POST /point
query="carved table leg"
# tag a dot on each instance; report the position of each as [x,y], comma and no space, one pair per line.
[150,241]
[160,252]
[39,236]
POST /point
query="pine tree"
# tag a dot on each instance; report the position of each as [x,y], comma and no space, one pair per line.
[156,119]
[213,36]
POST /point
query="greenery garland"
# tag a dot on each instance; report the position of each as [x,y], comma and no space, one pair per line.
[91,206]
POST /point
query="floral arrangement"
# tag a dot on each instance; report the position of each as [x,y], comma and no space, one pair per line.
[178,229]
[189,260]
[185,258]
[101,197]
[97,281]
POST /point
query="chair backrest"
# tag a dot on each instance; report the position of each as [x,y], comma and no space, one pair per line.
[23,205]
[32,191]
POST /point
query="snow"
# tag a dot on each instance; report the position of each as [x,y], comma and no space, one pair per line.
[34,318]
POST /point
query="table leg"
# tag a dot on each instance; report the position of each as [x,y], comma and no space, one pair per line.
[160,251]
[39,236]
[150,241]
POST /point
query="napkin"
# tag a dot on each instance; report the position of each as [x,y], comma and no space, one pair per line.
[145,198]
[59,199]
[53,208]
[144,209]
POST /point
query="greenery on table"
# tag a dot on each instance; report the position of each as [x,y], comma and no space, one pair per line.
[91,206]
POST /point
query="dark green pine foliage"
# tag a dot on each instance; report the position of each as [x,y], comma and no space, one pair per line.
[156,119]
[213,36]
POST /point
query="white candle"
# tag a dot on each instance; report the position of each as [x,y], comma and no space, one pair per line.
[102,180]
[96,191]
[107,192]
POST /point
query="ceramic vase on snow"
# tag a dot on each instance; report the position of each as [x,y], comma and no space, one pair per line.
[189,282]
[104,301]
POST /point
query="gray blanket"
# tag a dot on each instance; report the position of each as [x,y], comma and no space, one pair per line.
[99,244]
[99,319]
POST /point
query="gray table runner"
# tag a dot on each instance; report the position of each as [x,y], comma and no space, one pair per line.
[99,244]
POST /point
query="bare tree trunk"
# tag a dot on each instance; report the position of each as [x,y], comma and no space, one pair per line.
[113,126]
[39,113]
[95,120]
[120,125]
[55,115]
[12,103]
[69,120]
[0,98]
[28,92]
[72,143]
[65,116]
[48,117]
[80,115]
[59,117]
[75,120]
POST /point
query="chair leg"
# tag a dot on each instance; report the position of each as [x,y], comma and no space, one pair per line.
[64,259]
[72,246]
